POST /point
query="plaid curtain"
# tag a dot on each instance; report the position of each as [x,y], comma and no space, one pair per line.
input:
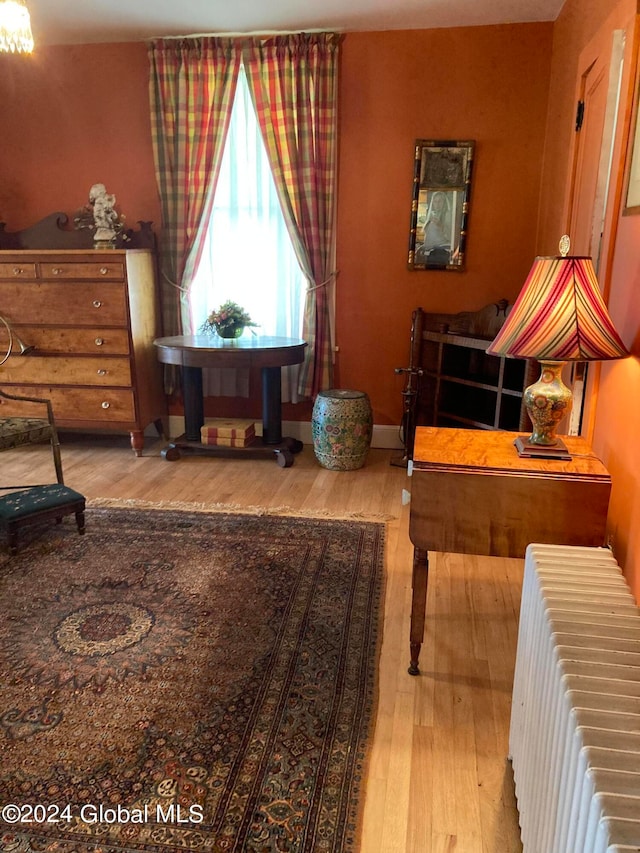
[191,88]
[294,86]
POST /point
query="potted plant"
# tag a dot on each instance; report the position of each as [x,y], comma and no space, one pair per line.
[228,321]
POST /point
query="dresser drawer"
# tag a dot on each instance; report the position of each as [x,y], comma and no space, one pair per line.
[70,339]
[85,304]
[18,270]
[75,406]
[67,370]
[106,270]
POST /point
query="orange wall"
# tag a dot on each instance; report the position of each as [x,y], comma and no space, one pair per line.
[484,83]
[615,425]
[71,116]
[617,420]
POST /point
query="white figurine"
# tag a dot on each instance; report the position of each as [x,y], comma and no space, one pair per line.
[104,215]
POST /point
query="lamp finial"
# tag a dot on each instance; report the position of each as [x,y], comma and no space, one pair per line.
[565,245]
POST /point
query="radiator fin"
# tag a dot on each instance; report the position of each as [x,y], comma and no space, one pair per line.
[574,740]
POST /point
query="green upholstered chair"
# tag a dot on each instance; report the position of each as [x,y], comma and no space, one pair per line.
[16,431]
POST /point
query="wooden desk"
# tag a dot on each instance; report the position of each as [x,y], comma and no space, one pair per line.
[193,352]
[472,494]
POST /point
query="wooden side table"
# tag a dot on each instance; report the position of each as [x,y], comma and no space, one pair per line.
[472,494]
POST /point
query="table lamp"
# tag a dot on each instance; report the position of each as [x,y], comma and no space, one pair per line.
[559,316]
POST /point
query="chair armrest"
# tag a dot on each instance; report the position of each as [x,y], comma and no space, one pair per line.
[22,399]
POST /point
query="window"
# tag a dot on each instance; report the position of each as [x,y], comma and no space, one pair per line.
[248,256]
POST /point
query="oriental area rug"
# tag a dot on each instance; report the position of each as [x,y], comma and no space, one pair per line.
[176,679]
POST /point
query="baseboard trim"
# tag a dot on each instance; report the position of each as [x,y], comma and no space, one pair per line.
[387,437]
[384,436]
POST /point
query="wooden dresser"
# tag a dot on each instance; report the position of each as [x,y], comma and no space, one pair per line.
[91,317]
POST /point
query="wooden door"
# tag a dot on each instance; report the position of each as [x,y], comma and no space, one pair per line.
[598,87]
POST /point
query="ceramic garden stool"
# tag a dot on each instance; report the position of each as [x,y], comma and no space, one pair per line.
[341,424]
[39,503]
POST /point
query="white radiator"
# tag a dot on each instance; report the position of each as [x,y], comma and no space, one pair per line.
[575,722]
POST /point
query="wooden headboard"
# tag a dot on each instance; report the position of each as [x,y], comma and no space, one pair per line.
[53,232]
[451,381]
[484,323]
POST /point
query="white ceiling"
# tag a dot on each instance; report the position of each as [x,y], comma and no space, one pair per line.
[94,21]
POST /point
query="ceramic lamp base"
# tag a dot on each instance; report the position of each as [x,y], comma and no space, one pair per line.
[547,402]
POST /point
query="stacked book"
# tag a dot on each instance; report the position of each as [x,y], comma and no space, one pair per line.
[228,433]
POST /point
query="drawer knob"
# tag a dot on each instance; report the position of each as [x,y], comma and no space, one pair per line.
[56,270]
[99,342]
[17,271]
[97,303]
[104,270]
[102,372]
[105,405]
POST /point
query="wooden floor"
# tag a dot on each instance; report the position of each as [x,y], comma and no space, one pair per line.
[439,779]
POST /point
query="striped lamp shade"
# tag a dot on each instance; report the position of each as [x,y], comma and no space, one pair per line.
[559,315]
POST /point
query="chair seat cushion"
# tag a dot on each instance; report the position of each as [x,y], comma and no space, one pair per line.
[26,502]
[17,431]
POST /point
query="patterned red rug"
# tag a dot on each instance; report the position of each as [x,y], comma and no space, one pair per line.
[177,679]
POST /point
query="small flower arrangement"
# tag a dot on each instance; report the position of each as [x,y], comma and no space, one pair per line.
[228,321]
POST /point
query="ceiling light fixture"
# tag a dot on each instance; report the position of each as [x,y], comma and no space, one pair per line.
[15,27]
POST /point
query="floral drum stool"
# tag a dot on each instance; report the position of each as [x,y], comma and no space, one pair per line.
[341,424]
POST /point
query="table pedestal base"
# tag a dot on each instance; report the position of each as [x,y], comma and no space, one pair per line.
[283,451]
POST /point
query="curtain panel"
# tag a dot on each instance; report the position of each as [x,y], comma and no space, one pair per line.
[293,81]
[191,88]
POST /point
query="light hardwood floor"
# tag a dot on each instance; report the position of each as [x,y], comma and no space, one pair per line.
[438,779]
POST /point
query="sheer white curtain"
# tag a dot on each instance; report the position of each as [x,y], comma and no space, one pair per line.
[248,256]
